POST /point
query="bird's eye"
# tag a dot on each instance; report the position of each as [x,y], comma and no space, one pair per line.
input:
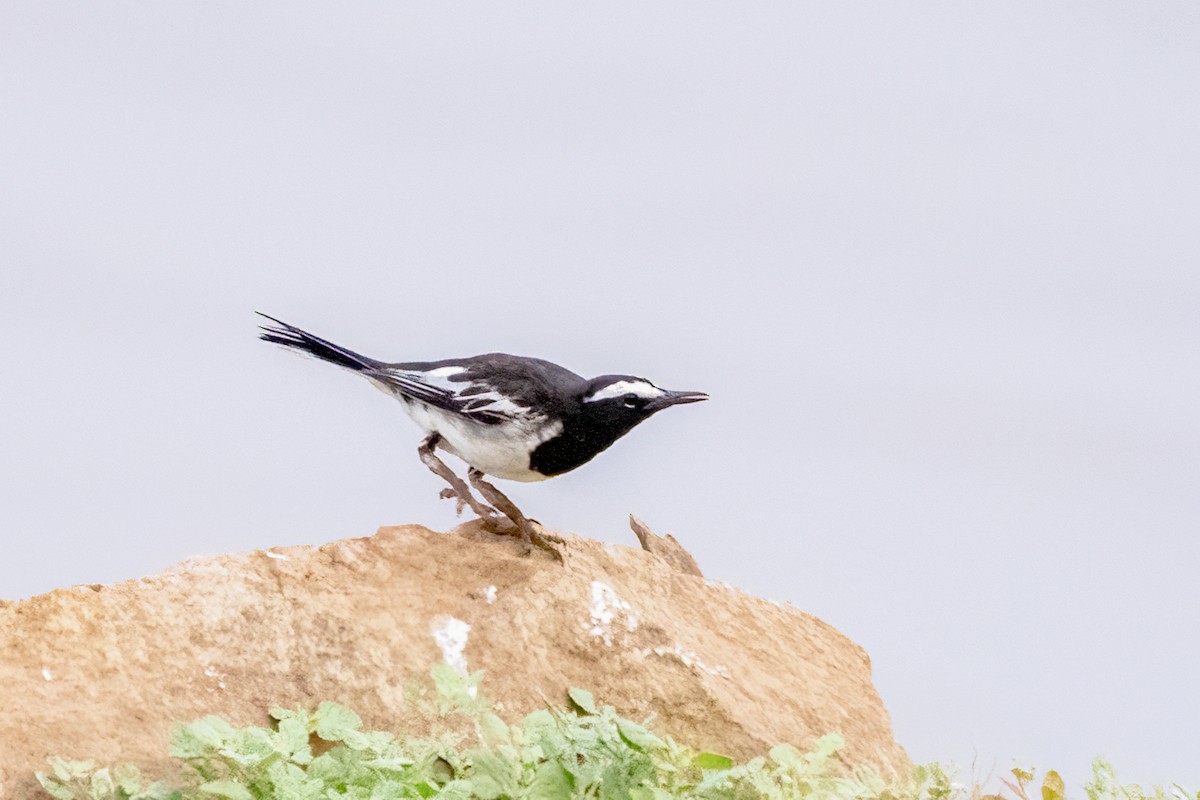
[632,401]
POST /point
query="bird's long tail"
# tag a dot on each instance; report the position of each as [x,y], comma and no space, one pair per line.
[304,342]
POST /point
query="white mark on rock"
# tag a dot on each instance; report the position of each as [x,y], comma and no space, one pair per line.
[450,634]
[47,674]
[279,556]
[212,673]
[690,659]
[606,608]
[490,594]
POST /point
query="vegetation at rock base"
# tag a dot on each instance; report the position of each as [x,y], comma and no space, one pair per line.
[588,751]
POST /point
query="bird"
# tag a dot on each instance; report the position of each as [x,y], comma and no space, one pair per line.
[510,417]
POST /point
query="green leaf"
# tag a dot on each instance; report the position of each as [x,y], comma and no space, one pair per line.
[712,761]
[494,730]
[638,737]
[491,776]
[128,778]
[388,789]
[1053,787]
[367,741]
[54,787]
[227,789]
[335,722]
[397,764]
[300,715]
[551,782]
[786,756]
[457,693]
[289,781]
[828,744]
[101,786]
[540,726]
[583,700]
[655,793]
[251,746]
[159,790]
[201,738]
[291,741]
[67,771]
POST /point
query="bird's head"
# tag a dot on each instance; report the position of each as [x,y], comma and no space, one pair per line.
[618,402]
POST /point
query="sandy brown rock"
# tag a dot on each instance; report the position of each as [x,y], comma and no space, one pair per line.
[667,548]
[104,672]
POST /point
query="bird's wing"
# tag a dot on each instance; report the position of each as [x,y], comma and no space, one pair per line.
[437,387]
[417,386]
[431,387]
[489,389]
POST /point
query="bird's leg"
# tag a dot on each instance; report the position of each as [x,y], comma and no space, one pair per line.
[510,510]
[458,490]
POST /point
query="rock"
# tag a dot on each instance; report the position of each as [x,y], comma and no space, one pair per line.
[665,547]
[104,672]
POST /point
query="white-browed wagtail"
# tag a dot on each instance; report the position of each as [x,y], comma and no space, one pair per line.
[511,417]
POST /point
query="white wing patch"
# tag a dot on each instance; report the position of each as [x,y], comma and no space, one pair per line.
[441,377]
[437,378]
[471,399]
[643,389]
[493,402]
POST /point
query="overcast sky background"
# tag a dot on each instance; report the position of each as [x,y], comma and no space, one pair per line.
[938,265]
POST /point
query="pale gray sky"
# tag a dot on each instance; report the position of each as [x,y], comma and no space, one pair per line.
[937,264]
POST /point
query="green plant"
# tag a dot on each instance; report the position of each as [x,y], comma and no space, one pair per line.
[585,751]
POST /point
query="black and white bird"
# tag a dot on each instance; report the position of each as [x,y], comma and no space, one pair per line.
[523,419]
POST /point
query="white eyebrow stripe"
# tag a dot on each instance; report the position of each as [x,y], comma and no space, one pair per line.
[642,389]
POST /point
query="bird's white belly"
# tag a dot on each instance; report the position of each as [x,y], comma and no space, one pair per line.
[500,450]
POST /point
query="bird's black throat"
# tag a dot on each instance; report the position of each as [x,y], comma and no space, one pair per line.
[586,433]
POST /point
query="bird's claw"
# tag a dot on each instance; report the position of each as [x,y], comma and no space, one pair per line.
[459,502]
[532,536]
[546,541]
[541,531]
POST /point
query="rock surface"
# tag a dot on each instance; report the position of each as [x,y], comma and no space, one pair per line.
[104,672]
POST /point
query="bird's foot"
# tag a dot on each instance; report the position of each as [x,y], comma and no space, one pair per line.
[550,537]
[462,498]
[493,521]
[531,535]
[459,503]
[519,524]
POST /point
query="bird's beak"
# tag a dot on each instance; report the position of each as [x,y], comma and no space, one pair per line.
[672,398]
